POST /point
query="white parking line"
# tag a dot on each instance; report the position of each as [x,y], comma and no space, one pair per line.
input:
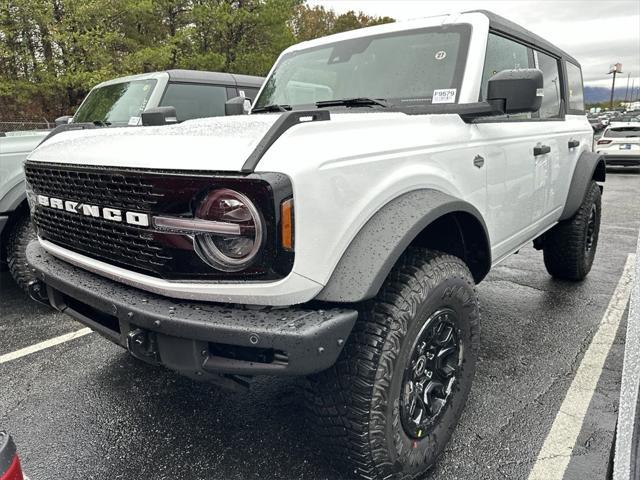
[555,453]
[7,357]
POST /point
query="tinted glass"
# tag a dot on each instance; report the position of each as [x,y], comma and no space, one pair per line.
[574,81]
[503,54]
[622,132]
[116,104]
[402,67]
[195,101]
[551,100]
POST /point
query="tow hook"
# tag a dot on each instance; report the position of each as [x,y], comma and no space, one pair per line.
[143,345]
[38,291]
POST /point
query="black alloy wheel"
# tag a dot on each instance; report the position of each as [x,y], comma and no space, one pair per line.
[430,376]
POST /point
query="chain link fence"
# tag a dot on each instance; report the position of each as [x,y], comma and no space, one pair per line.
[16,127]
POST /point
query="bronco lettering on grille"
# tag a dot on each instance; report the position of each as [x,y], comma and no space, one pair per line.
[113,214]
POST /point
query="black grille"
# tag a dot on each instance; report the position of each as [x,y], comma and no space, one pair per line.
[154,192]
[102,239]
[125,189]
[117,243]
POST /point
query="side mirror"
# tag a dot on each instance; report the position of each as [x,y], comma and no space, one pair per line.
[63,120]
[159,116]
[516,91]
[235,106]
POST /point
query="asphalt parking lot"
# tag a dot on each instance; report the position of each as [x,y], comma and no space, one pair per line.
[85,409]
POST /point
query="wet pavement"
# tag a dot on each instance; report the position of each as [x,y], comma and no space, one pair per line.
[86,410]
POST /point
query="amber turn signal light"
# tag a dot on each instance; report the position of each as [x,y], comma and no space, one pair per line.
[286,224]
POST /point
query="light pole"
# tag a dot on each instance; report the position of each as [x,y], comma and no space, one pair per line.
[616,68]
[626,93]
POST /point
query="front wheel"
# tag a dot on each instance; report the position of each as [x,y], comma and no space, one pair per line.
[392,400]
[570,247]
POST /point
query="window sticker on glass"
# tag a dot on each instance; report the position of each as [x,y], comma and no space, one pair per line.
[444,95]
[134,121]
[441,55]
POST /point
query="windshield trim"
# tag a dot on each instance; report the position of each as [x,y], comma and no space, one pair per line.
[465,30]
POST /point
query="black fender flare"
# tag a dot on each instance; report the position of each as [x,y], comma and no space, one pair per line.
[378,245]
[590,166]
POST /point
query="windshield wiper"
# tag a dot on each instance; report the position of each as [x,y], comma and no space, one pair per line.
[354,102]
[274,107]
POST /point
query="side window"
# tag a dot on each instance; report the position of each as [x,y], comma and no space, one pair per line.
[574,81]
[551,100]
[503,54]
[195,100]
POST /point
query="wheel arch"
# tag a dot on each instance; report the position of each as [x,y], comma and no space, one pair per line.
[590,166]
[424,218]
[19,209]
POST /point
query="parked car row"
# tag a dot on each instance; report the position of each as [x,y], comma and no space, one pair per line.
[599,121]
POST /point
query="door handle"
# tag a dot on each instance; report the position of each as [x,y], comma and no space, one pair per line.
[541,150]
[574,143]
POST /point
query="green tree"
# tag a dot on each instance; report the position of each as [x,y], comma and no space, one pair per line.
[53,51]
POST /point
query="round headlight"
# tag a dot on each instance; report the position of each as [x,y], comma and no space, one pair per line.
[232,251]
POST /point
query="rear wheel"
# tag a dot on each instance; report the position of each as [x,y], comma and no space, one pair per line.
[570,247]
[392,400]
[19,237]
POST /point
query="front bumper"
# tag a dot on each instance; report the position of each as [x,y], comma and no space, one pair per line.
[201,340]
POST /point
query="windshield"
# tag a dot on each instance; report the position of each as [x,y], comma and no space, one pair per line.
[120,103]
[623,132]
[416,66]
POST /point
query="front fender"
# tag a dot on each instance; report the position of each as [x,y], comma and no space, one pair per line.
[377,247]
[13,197]
[590,166]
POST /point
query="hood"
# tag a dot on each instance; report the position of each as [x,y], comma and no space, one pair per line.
[220,143]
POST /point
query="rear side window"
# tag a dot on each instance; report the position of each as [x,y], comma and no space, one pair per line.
[552,88]
[195,100]
[574,81]
[622,132]
[503,54]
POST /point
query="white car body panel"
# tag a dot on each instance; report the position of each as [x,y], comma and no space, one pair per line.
[13,150]
[219,143]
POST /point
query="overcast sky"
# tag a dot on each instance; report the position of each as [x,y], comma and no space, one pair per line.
[598,33]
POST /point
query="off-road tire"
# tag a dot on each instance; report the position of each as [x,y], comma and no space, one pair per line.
[20,235]
[570,247]
[356,403]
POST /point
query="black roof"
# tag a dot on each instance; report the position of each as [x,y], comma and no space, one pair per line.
[197,76]
[501,24]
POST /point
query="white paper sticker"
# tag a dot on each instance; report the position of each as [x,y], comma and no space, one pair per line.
[134,121]
[444,95]
[441,55]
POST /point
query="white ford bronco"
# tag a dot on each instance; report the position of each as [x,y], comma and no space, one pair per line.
[338,231]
